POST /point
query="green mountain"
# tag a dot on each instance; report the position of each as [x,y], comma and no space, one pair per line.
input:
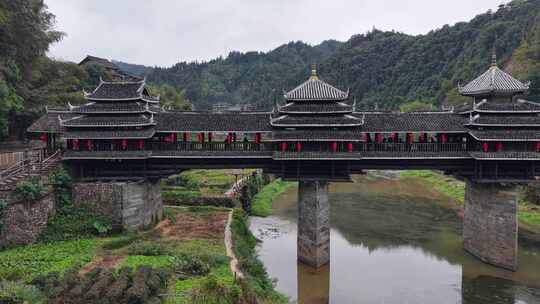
[252,77]
[383,68]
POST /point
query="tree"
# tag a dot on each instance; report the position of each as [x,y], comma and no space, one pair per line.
[170,98]
[416,106]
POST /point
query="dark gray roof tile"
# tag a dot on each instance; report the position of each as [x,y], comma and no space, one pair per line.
[206,121]
[494,80]
[413,122]
[315,89]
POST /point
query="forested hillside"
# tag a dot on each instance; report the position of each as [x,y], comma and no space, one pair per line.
[383,68]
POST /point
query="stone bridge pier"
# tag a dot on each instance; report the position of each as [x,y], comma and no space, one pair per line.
[131,205]
[490,225]
[313,248]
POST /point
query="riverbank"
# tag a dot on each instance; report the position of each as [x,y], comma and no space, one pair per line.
[262,202]
[528,214]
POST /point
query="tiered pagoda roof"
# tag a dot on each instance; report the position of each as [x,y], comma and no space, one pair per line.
[494,81]
[315,104]
[125,106]
[504,119]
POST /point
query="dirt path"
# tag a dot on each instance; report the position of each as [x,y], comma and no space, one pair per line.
[230,252]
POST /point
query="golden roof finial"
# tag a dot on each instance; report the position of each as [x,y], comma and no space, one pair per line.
[314,71]
[494,58]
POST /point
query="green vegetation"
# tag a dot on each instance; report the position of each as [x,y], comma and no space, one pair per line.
[72,223]
[447,185]
[29,190]
[415,106]
[198,183]
[257,281]
[170,97]
[3,207]
[262,202]
[27,262]
[120,242]
[14,292]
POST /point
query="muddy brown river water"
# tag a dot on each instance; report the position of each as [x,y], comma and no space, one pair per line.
[392,241]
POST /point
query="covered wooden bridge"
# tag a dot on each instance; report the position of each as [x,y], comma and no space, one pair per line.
[316,136]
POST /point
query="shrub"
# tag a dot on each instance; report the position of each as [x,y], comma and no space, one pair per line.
[102,227]
[3,207]
[72,223]
[148,249]
[14,292]
[121,242]
[212,291]
[29,190]
[62,185]
[190,264]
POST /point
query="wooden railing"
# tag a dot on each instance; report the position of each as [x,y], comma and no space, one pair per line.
[27,167]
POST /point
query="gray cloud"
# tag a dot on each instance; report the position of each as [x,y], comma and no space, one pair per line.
[163,32]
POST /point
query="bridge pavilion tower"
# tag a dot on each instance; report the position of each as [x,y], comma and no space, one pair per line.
[319,110]
[117,123]
[499,120]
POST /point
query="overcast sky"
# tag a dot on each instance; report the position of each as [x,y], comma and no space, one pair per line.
[163,32]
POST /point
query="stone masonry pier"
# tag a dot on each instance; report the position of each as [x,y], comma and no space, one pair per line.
[490,226]
[129,204]
[313,223]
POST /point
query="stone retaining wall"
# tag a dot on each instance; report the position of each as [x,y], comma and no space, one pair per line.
[22,223]
[130,204]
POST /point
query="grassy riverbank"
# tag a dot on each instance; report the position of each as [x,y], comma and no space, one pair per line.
[262,202]
[199,183]
[528,214]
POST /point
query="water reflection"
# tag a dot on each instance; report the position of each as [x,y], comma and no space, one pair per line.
[391,242]
[313,284]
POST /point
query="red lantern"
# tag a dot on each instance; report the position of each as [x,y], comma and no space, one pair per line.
[538,146]
[378,138]
[283,146]
[43,137]
[76,144]
[124,144]
[334,146]
[140,144]
[258,138]
[185,135]
[499,147]
[298,147]
[485,147]
[350,147]
[89,144]
[209,136]
[444,138]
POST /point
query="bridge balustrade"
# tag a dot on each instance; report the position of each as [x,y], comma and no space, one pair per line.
[414,147]
[211,146]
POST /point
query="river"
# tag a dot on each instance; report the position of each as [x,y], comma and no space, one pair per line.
[392,241]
